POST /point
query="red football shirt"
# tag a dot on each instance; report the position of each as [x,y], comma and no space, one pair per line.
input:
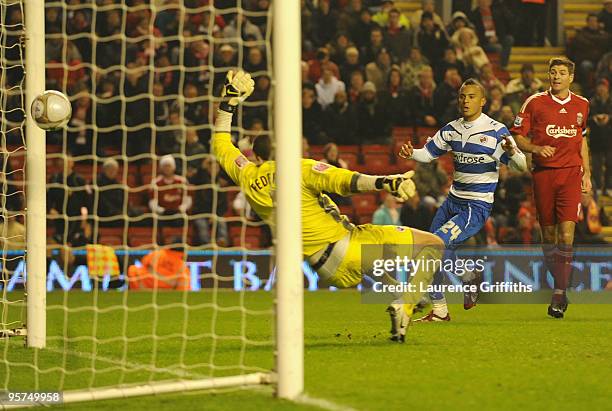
[170,191]
[549,121]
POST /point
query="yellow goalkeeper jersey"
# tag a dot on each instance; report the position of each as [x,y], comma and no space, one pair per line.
[321,221]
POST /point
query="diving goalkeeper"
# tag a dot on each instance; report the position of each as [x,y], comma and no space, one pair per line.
[331,243]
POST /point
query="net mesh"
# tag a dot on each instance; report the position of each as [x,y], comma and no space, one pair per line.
[148,274]
[12,230]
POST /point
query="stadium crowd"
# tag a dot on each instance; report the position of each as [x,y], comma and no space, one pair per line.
[142,86]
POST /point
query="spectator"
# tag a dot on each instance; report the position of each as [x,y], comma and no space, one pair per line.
[80,136]
[605,16]
[532,31]
[589,227]
[445,97]
[331,157]
[362,30]
[225,59]
[600,125]
[337,49]
[459,20]
[587,48]
[261,20]
[371,50]
[506,116]
[194,150]
[465,42]
[412,67]
[430,180]
[372,121]
[397,36]
[383,16]
[422,101]
[161,108]
[340,120]
[387,213]
[327,88]
[210,204]
[168,194]
[196,62]
[111,204]
[350,16]
[170,138]
[451,61]
[495,102]
[604,68]
[492,26]
[67,195]
[377,72]
[431,39]
[12,195]
[416,213]
[311,117]
[241,27]
[427,7]
[255,61]
[518,89]
[315,66]
[395,99]
[195,108]
[488,79]
[324,24]
[351,63]
[137,108]
[357,82]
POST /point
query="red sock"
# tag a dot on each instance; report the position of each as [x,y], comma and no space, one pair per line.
[563,266]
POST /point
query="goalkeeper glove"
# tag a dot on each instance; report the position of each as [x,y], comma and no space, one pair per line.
[238,86]
[399,185]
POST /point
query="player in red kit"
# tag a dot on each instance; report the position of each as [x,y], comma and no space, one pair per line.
[551,125]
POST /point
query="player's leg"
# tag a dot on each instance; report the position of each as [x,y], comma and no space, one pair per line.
[439,310]
[567,209]
[427,250]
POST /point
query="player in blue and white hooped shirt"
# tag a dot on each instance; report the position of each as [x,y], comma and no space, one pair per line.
[479,145]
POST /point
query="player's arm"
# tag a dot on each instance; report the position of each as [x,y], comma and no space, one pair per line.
[237,88]
[521,128]
[586,167]
[508,153]
[434,148]
[322,177]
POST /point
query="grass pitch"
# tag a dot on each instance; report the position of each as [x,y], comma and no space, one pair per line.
[494,356]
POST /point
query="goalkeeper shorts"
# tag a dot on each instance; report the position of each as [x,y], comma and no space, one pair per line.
[343,265]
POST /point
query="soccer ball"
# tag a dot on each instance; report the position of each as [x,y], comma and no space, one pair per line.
[51,110]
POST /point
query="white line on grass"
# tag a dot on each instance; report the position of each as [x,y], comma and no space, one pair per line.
[322,403]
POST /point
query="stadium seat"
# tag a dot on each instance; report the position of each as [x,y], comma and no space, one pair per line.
[110,232]
[316,152]
[375,148]
[141,236]
[168,234]
[365,203]
[377,163]
[346,149]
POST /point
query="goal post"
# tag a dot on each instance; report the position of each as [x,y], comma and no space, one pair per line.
[36,202]
[288,133]
[93,329]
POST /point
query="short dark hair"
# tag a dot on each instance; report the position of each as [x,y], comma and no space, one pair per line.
[474,82]
[562,61]
[262,147]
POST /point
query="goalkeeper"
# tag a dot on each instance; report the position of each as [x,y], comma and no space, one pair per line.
[331,243]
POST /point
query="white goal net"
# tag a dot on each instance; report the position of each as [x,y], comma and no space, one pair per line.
[152,257]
